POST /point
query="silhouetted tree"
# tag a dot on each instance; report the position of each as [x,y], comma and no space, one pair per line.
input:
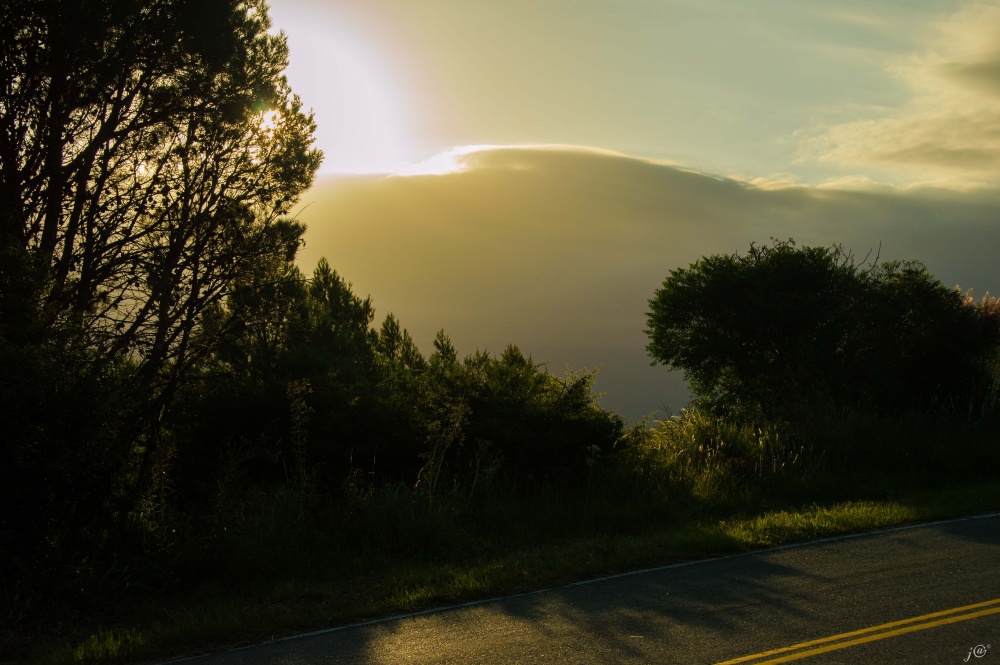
[147,150]
[782,326]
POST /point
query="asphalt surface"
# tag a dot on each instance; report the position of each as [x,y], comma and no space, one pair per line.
[714,611]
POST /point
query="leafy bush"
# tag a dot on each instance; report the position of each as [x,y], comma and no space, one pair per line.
[537,427]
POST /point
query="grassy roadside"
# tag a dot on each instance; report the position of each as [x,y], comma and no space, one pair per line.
[215,618]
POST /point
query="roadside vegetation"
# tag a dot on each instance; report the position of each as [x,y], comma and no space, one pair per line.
[205,446]
[326,472]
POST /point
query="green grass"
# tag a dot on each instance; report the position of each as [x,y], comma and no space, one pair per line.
[218,617]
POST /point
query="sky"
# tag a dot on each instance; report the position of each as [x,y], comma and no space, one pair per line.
[529,172]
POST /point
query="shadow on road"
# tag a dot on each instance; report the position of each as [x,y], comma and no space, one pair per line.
[702,612]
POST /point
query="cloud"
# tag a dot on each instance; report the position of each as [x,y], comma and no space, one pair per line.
[559,250]
[949,131]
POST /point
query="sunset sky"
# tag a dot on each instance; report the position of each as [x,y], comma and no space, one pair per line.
[529,171]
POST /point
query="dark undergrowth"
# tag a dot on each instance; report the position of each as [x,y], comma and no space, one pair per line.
[267,563]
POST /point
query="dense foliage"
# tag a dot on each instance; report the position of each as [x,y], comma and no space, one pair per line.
[321,397]
[782,328]
[149,152]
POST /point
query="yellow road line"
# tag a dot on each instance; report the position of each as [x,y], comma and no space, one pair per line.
[869,637]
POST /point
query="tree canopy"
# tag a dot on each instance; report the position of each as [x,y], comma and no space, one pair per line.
[780,325]
[148,152]
[149,148]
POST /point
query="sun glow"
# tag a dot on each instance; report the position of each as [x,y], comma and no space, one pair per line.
[359,116]
[457,159]
[449,161]
[269,120]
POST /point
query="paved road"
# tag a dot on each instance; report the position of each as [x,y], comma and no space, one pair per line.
[716,611]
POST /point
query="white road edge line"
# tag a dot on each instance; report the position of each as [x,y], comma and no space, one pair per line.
[680,564]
